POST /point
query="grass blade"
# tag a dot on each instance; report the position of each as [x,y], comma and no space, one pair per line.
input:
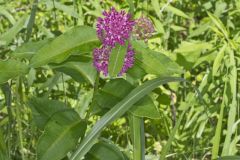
[138,139]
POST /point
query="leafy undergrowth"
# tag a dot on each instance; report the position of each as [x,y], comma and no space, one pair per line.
[171,95]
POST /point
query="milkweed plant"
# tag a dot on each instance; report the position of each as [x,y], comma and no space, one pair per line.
[119,80]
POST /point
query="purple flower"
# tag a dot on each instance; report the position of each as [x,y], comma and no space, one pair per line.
[143,28]
[128,61]
[101,58]
[115,27]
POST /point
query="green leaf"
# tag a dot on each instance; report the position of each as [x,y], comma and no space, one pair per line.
[115,90]
[43,109]
[219,24]
[218,60]
[27,50]
[5,13]
[11,68]
[154,62]
[177,28]
[117,111]
[199,30]
[217,136]
[116,59]
[156,7]
[177,12]
[99,150]
[138,137]
[60,136]
[232,113]
[61,47]
[9,35]
[79,71]
[67,9]
[189,52]
[145,108]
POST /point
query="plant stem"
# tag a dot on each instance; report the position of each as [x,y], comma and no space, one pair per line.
[18,116]
[138,138]
[8,98]
[31,20]
[95,89]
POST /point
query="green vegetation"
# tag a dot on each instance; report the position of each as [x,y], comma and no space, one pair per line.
[180,99]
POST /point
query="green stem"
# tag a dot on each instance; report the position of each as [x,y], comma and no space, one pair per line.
[18,116]
[8,98]
[95,90]
[137,135]
[217,137]
[31,20]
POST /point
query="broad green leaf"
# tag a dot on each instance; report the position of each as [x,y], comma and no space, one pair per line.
[116,59]
[192,47]
[61,47]
[200,30]
[218,61]
[189,52]
[117,111]
[154,62]
[221,7]
[177,12]
[43,109]
[9,35]
[208,57]
[27,50]
[115,90]
[145,108]
[99,150]
[12,68]
[219,24]
[60,135]
[79,71]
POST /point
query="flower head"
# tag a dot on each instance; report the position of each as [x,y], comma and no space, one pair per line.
[115,27]
[143,28]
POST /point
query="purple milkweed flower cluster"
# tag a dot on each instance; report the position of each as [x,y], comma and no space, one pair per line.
[114,28]
[143,28]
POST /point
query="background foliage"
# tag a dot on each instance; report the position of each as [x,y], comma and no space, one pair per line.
[54,105]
